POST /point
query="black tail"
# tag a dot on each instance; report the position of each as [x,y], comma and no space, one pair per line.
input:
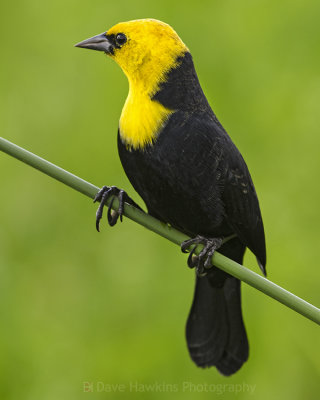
[215,332]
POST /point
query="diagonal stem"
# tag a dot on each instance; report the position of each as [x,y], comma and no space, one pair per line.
[231,267]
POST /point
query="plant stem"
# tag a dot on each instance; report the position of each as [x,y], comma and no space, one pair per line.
[231,267]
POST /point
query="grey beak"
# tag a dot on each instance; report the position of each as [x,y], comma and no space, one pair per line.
[99,42]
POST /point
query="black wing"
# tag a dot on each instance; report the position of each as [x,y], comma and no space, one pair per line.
[242,207]
[229,181]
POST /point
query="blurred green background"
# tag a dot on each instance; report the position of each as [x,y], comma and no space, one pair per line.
[77,306]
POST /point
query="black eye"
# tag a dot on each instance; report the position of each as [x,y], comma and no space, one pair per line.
[121,38]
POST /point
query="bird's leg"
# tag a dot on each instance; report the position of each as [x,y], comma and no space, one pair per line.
[103,195]
[203,260]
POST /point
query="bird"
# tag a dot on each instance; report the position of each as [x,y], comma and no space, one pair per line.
[190,174]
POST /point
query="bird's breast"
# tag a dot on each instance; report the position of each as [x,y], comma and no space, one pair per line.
[141,119]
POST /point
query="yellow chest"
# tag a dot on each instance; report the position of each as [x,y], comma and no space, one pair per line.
[141,119]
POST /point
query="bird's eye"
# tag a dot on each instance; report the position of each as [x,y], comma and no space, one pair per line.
[121,38]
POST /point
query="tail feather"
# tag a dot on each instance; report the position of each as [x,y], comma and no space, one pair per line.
[207,337]
[237,350]
[215,330]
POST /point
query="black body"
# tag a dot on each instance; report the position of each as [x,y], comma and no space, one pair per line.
[194,178]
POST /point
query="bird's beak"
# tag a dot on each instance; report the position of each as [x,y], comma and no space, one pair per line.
[99,42]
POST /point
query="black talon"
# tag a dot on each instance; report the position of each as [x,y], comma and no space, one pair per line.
[184,246]
[207,263]
[112,214]
[121,203]
[187,243]
[100,196]
[191,262]
[103,195]
[203,260]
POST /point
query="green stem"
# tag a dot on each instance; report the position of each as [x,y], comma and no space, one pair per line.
[231,267]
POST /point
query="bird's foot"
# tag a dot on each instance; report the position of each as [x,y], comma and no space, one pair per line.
[203,260]
[103,195]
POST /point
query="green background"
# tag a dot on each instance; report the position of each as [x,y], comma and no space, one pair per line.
[77,306]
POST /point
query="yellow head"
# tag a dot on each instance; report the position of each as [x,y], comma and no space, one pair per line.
[150,50]
[146,50]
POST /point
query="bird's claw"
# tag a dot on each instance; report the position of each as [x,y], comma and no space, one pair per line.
[203,260]
[102,196]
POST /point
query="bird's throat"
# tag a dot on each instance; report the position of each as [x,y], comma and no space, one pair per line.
[141,119]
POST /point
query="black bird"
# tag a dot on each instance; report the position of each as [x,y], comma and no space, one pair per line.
[190,174]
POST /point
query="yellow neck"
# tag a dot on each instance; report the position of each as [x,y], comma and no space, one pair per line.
[141,118]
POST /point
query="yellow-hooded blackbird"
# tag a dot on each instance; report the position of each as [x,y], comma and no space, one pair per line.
[190,174]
